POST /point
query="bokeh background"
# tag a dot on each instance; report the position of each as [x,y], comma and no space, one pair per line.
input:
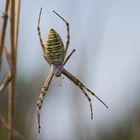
[106,36]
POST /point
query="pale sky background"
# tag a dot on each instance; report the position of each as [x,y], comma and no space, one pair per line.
[106,36]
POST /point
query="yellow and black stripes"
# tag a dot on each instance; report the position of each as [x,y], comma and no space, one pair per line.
[54,49]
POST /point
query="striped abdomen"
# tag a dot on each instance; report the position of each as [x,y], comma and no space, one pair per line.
[54,49]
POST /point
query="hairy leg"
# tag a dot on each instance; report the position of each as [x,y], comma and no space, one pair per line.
[82,87]
[42,95]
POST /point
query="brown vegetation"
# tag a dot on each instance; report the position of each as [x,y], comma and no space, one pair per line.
[11,55]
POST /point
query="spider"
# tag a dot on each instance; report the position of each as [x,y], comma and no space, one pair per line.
[55,54]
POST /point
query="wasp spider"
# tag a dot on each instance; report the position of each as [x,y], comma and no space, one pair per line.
[55,54]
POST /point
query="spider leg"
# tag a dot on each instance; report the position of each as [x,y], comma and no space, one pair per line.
[82,88]
[42,95]
[89,99]
[68,33]
[95,96]
[68,57]
[38,29]
[81,85]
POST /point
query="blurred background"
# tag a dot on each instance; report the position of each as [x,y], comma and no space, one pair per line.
[106,36]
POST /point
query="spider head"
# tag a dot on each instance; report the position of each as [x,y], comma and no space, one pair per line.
[58,70]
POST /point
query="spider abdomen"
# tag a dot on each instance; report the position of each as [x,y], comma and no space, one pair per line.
[54,49]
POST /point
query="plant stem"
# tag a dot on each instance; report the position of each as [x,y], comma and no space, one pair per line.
[11,94]
[5,17]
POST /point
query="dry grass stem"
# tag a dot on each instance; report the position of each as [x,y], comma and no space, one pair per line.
[4,25]
[14,37]
[3,124]
[11,56]
[9,76]
[5,83]
[17,26]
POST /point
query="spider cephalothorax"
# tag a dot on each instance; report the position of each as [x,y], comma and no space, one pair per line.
[55,54]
